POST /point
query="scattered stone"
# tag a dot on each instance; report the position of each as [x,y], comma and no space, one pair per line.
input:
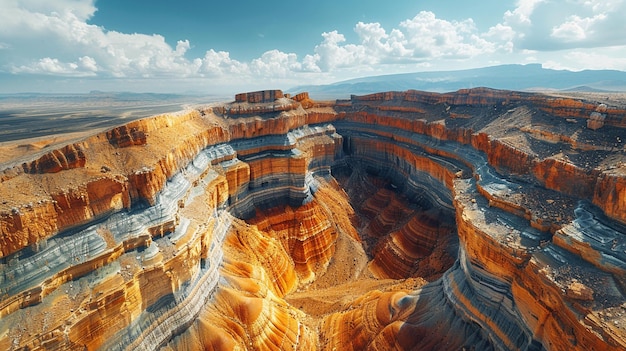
[579,291]
[596,120]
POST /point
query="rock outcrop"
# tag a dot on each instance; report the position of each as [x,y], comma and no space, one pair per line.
[479,219]
[68,157]
[261,96]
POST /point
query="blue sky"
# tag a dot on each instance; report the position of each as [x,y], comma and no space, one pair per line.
[223,46]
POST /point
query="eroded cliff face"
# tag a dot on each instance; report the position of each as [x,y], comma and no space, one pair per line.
[405,220]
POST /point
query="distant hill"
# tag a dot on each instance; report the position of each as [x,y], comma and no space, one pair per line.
[509,77]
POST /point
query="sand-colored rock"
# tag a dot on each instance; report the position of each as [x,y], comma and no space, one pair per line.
[402,253]
[68,157]
[579,291]
[398,220]
[306,234]
[124,136]
[596,120]
[259,96]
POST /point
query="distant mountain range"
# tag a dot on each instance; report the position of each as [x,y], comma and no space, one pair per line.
[509,77]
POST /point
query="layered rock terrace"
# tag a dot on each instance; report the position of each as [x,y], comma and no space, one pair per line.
[482,219]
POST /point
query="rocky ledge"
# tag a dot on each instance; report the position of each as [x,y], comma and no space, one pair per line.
[480,219]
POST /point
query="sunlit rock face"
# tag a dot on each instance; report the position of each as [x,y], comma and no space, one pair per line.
[480,219]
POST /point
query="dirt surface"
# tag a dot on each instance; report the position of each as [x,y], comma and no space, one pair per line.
[15,150]
[610,98]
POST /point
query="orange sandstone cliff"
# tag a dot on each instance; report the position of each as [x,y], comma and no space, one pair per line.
[478,219]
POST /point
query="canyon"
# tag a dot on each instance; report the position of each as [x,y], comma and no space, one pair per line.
[479,219]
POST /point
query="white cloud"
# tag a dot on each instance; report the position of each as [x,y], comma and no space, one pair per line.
[575,28]
[569,24]
[55,38]
[599,6]
[309,63]
[88,63]
[218,63]
[380,46]
[85,67]
[331,54]
[83,9]
[434,38]
[592,58]
[503,37]
[52,36]
[275,63]
[181,47]
[522,13]
[424,37]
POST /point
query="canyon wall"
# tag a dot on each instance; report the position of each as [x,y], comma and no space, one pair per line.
[477,219]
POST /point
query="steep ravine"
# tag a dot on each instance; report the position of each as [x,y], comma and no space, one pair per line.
[480,219]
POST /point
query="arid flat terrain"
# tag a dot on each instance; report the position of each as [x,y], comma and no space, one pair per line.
[613,98]
[32,122]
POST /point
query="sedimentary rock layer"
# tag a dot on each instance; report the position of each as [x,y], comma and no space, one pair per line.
[408,220]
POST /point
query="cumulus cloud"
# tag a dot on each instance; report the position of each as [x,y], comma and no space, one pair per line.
[572,30]
[591,58]
[503,37]
[88,63]
[181,47]
[521,15]
[429,36]
[218,63]
[380,46]
[80,8]
[55,38]
[569,24]
[331,53]
[275,63]
[84,67]
[424,37]
[73,47]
